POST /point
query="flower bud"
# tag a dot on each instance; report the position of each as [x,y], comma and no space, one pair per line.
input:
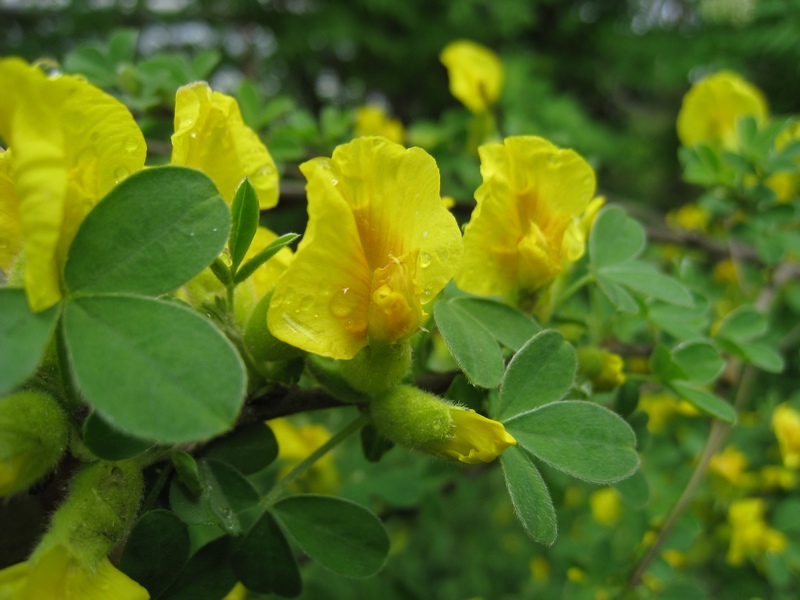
[602,368]
[33,435]
[418,420]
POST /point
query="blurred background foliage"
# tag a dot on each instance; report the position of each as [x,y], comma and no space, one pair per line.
[605,78]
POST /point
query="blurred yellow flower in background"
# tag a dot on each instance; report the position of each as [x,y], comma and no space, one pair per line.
[475,72]
[606,506]
[526,226]
[751,536]
[712,107]
[373,120]
[786,425]
[296,443]
[70,144]
[378,246]
[786,185]
[211,136]
[662,407]
[731,464]
[689,217]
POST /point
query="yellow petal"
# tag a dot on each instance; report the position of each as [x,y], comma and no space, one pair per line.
[10,229]
[57,575]
[321,303]
[525,226]
[211,136]
[711,108]
[475,73]
[474,438]
[379,245]
[255,287]
[71,144]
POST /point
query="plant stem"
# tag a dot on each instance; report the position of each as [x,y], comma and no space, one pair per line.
[570,291]
[281,486]
[716,438]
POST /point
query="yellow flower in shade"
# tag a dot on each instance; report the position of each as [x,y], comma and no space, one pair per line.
[57,575]
[296,443]
[774,476]
[606,506]
[661,407]
[786,185]
[475,72]
[473,439]
[731,464]
[239,592]
[786,425]
[725,272]
[373,120]
[378,246]
[540,569]
[211,136]
[690,217]
[602,368]
[712,107]
[70,144]
[751,536]
[526,225]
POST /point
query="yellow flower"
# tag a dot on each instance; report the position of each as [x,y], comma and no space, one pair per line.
[606,506]
[540,569]
[786,425]
[58,575]
[786,185]
[378,246]
[751,536]
[602,368]
[238,592]
[725,272]
[10,228]
[296,443]
[731,464]
[712,107]
[774,476]
[473,438]
[661,407]
[526,226]
[475,72]
[690,217]
[211,136]
[373,120]
[590,214]
[71,143]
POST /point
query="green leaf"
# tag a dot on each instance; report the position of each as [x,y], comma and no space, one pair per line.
[207,576]
[244,222]
[648,281]
[24,335]
[225,495]
[474,349]
[156,551]
[618,296]
[704,400]
[679,322]
[187,471]
[529,495]
[508,326]
[743,324]
[763,356]
[150,234]
[663,366]
[699,360]
[203,64]
[540,373]
[249,449]
[373,444]
[152,368]
[122,45]
[615,238]
[340,535]
[264,562]
[634,490]
[268,252]
[109,444]
[580,438]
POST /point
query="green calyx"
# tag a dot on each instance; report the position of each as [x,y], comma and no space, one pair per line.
[376,370]
[33,436]
[411,418]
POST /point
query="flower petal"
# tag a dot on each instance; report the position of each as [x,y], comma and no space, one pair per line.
[10,228]
[71,144]
[321,303]
[210,135]
[475,72]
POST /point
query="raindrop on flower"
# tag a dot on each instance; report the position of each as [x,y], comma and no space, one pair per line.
[424,260]
[130,145]
[120,174]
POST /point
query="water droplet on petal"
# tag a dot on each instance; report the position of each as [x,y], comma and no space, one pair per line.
[424,260]
[265,171]
[186,123]
[130,145]
[193,135]
[120,174]
[425,296]
[444,255]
